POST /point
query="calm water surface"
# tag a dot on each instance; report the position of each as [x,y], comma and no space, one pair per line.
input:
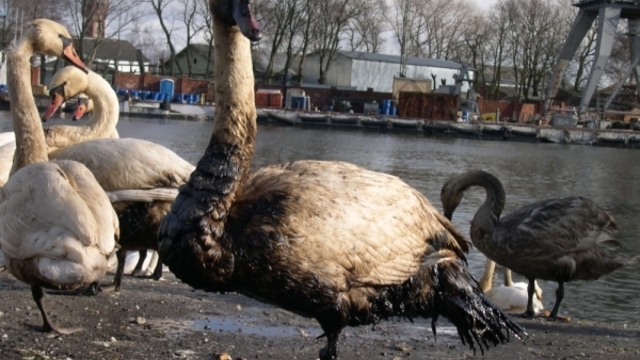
[529,172]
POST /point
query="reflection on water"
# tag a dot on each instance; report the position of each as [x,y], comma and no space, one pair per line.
[528,171]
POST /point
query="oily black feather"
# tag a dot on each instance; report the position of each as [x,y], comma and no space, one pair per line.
[192,238]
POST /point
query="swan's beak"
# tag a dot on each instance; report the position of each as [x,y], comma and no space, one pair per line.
[69,53]
[80,110]
[56,101]
[245,20]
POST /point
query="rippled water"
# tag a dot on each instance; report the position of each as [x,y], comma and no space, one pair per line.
[528,171]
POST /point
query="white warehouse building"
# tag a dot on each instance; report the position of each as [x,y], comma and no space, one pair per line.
[359,70]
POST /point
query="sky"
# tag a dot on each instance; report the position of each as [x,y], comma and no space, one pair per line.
[484,4]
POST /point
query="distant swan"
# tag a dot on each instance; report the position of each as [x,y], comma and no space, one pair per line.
[555,239]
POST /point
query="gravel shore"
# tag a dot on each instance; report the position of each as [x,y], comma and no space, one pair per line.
[168,320]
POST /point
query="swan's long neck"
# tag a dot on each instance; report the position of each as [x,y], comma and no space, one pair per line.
[106,109]
[102,123]
[228,156]
[194,242]
[30,141]
[488,214]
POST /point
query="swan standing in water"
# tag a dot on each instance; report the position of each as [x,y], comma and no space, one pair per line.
[555,239]
[327,240]
[57,226]
[119,164]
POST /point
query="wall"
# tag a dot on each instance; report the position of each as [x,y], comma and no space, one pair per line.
[339,72]
[379,75]
[428,106]
[198,68]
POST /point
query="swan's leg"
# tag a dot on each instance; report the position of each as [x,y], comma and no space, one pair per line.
[559,297]
[121,255]
[157,272]
[531,289]
[330,352]
[138,269]
[38,295]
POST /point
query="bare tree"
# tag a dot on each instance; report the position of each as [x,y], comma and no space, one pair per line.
[167,23]
[207,32]
[332,19]
[104,19]
[145,36]
[403,19]
[194,24]
[365,31]
[281,29]
[308,19]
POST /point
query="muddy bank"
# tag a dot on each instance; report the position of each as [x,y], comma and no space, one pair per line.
[166,319]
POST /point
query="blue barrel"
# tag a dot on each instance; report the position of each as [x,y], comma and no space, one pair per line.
[394,111]
[167,87]
[196,98]
[135,94]
[122,92]
[386,106]
[298,102]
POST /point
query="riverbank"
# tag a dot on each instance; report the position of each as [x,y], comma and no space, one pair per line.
[167,319]
[503,131]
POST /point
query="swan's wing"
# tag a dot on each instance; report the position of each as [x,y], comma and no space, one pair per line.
[129,163]
[6,161]
[379,227]
[7,137]
[143,195]
[57,212]
[560,226]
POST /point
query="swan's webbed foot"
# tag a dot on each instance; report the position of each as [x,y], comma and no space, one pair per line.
[48,326]
[330,352]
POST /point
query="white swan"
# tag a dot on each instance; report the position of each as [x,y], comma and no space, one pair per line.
[510,298]
[57,226]
[119,164]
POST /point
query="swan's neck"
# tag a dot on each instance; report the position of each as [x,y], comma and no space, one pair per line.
[488,214]
[235,118]
[228,156]
[102,123]
[486,281]
[30,141]
[105,107]
[204,202]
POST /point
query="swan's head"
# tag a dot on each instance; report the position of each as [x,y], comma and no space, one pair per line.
[451,198]
[50,38]
[65,84]
[85,105]
[237,12]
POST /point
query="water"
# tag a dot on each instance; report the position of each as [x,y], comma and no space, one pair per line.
[529,172]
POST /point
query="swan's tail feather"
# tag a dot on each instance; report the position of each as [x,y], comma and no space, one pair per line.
[143,195]
[457,296]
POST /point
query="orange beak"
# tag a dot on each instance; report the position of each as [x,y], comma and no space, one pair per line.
[69,53]
[80,110]
[56,101]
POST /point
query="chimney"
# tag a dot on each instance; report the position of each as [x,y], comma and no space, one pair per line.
[95,13]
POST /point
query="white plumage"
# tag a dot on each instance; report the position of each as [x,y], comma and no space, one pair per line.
[57,226]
